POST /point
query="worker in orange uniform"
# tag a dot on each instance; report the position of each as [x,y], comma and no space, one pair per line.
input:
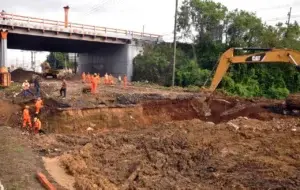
[88,78]
[38,105]
[26,117]
[37,125]
[111,79]
[106,79]
[98,78]
[83,76]
[94,83]
[125,81]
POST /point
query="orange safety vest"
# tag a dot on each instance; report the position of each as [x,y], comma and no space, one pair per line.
[39,103]
[26,114]
[94,80]
[38,124]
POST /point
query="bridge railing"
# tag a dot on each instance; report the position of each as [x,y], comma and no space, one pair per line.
[83,27]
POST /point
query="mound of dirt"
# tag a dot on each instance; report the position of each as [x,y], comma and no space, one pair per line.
[19,75]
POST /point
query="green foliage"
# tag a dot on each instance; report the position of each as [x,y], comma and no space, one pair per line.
[191,74]
[155,65]
[210,29]
[58,60]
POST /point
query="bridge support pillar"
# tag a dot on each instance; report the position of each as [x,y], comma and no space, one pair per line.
[115,59]
[3,48]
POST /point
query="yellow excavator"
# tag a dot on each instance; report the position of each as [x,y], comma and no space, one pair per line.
[264,55]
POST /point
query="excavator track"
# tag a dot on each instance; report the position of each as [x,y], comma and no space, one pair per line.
[293,101]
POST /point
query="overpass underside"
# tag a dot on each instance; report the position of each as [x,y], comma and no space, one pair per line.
[100,49]
[93,57]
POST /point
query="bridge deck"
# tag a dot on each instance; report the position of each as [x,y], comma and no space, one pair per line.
[45,27]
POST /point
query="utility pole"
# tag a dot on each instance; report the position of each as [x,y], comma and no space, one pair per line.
[34,61]
[143,29]
[174,41]
[31,59]
[23,60]
[75,63]
[289,17]
[288,22]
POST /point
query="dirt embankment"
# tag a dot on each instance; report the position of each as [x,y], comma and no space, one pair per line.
[151,112]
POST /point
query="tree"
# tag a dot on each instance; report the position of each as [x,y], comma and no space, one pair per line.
[204,24]
[243,29]
[58,60]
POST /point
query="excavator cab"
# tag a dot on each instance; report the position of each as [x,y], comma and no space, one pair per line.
[5,77]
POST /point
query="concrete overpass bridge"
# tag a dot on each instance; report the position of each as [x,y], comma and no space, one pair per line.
[100,49]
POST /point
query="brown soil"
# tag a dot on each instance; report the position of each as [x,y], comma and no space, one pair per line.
[149,138]
[18,163]
[186,155]
[7,112]
[149,112]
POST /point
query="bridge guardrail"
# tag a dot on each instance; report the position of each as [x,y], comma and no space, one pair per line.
[83,27]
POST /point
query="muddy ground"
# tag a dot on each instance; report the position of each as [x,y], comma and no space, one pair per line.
[242,154]
[147,137]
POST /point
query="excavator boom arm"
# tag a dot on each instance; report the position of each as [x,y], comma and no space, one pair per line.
[269,56]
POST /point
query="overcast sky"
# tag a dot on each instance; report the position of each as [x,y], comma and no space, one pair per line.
[156,15]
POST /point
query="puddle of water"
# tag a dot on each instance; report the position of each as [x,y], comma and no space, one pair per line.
[54,168]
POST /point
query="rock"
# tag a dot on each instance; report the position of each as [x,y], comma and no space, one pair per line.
[294,129]
[90,129]
[95,186]
[92,125]
[236,127]
[111,140]
[1,186]
[210,123]
[211,169]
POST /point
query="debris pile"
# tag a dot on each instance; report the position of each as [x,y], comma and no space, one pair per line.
[20,75]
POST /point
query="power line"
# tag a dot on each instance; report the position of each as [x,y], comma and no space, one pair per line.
[99,6]
[294,4]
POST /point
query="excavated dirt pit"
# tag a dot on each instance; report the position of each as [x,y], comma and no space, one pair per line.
[146,113]
[245,154]
[183,143]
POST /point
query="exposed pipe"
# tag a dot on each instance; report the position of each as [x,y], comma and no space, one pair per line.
[66,8]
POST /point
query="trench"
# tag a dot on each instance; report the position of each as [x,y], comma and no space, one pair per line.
[60,118]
